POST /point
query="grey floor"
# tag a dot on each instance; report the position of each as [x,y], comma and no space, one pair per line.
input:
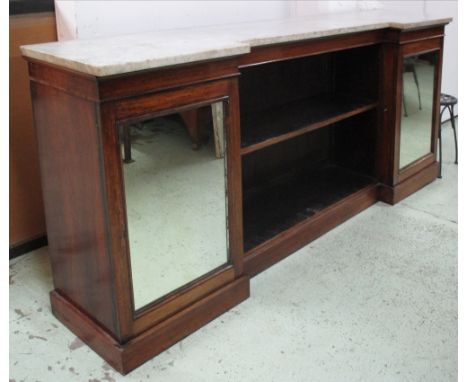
[373,300]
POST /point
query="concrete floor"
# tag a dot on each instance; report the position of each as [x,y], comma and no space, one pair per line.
[373,300]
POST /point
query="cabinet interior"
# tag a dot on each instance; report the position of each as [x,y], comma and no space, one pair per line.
[308,137]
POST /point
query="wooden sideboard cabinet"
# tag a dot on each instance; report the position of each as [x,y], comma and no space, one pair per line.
[300,136]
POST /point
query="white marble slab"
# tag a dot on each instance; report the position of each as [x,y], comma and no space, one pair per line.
[123,54]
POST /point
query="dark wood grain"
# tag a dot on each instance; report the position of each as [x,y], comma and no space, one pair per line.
[421,34]
[234,177]
[423,46]
[170,102]
[179,299]
[85,327]
[414,167]
[159,338]
[156,80]
[388,113]
[279,52]
[125,357]
[66,80]
[397,193]
[71,175]
[397,108]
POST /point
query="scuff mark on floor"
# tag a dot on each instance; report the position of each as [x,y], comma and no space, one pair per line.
[108,378]
[75,344]
[31,337]
[20,313]
[106,366]
[12,274]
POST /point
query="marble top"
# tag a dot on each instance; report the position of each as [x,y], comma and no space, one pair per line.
[122,54]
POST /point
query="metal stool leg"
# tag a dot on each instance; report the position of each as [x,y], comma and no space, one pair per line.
[452,120]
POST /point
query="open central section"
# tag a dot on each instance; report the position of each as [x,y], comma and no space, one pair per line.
[308,137]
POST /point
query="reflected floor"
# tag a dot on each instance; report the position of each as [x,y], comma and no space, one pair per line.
[416,127]
[176,209]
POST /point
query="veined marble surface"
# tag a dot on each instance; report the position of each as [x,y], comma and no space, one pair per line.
[122,54]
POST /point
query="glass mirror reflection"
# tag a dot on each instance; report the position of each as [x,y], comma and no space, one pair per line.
[175,190]
[417,106]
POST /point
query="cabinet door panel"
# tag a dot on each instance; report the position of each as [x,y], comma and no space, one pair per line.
[175,193]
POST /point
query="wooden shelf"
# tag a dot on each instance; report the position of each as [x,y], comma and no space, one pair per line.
[281,205]
[268,127]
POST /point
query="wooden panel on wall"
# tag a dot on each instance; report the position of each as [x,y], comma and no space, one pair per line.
[26,209]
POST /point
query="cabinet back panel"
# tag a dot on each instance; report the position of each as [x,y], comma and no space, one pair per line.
[354,143]
[357,72]
[271,85]
[285,159]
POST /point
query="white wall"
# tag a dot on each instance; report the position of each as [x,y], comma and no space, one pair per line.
[307,7]
[88,19]
[106,18]
[65,14]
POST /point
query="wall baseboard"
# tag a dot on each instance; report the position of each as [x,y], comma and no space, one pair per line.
[27,246]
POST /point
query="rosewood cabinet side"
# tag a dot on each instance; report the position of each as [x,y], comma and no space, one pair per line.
[75,202]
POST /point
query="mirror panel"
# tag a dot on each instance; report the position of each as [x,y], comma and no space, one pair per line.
[175,191]
[417,106]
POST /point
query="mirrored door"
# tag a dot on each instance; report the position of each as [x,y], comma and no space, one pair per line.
[417,102]
[175,191]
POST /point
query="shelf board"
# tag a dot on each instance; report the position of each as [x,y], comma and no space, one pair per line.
[270,211]
[268,127]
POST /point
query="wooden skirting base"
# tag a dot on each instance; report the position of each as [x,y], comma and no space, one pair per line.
[296,237]
[393,195]
[27,246]
[128,356]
